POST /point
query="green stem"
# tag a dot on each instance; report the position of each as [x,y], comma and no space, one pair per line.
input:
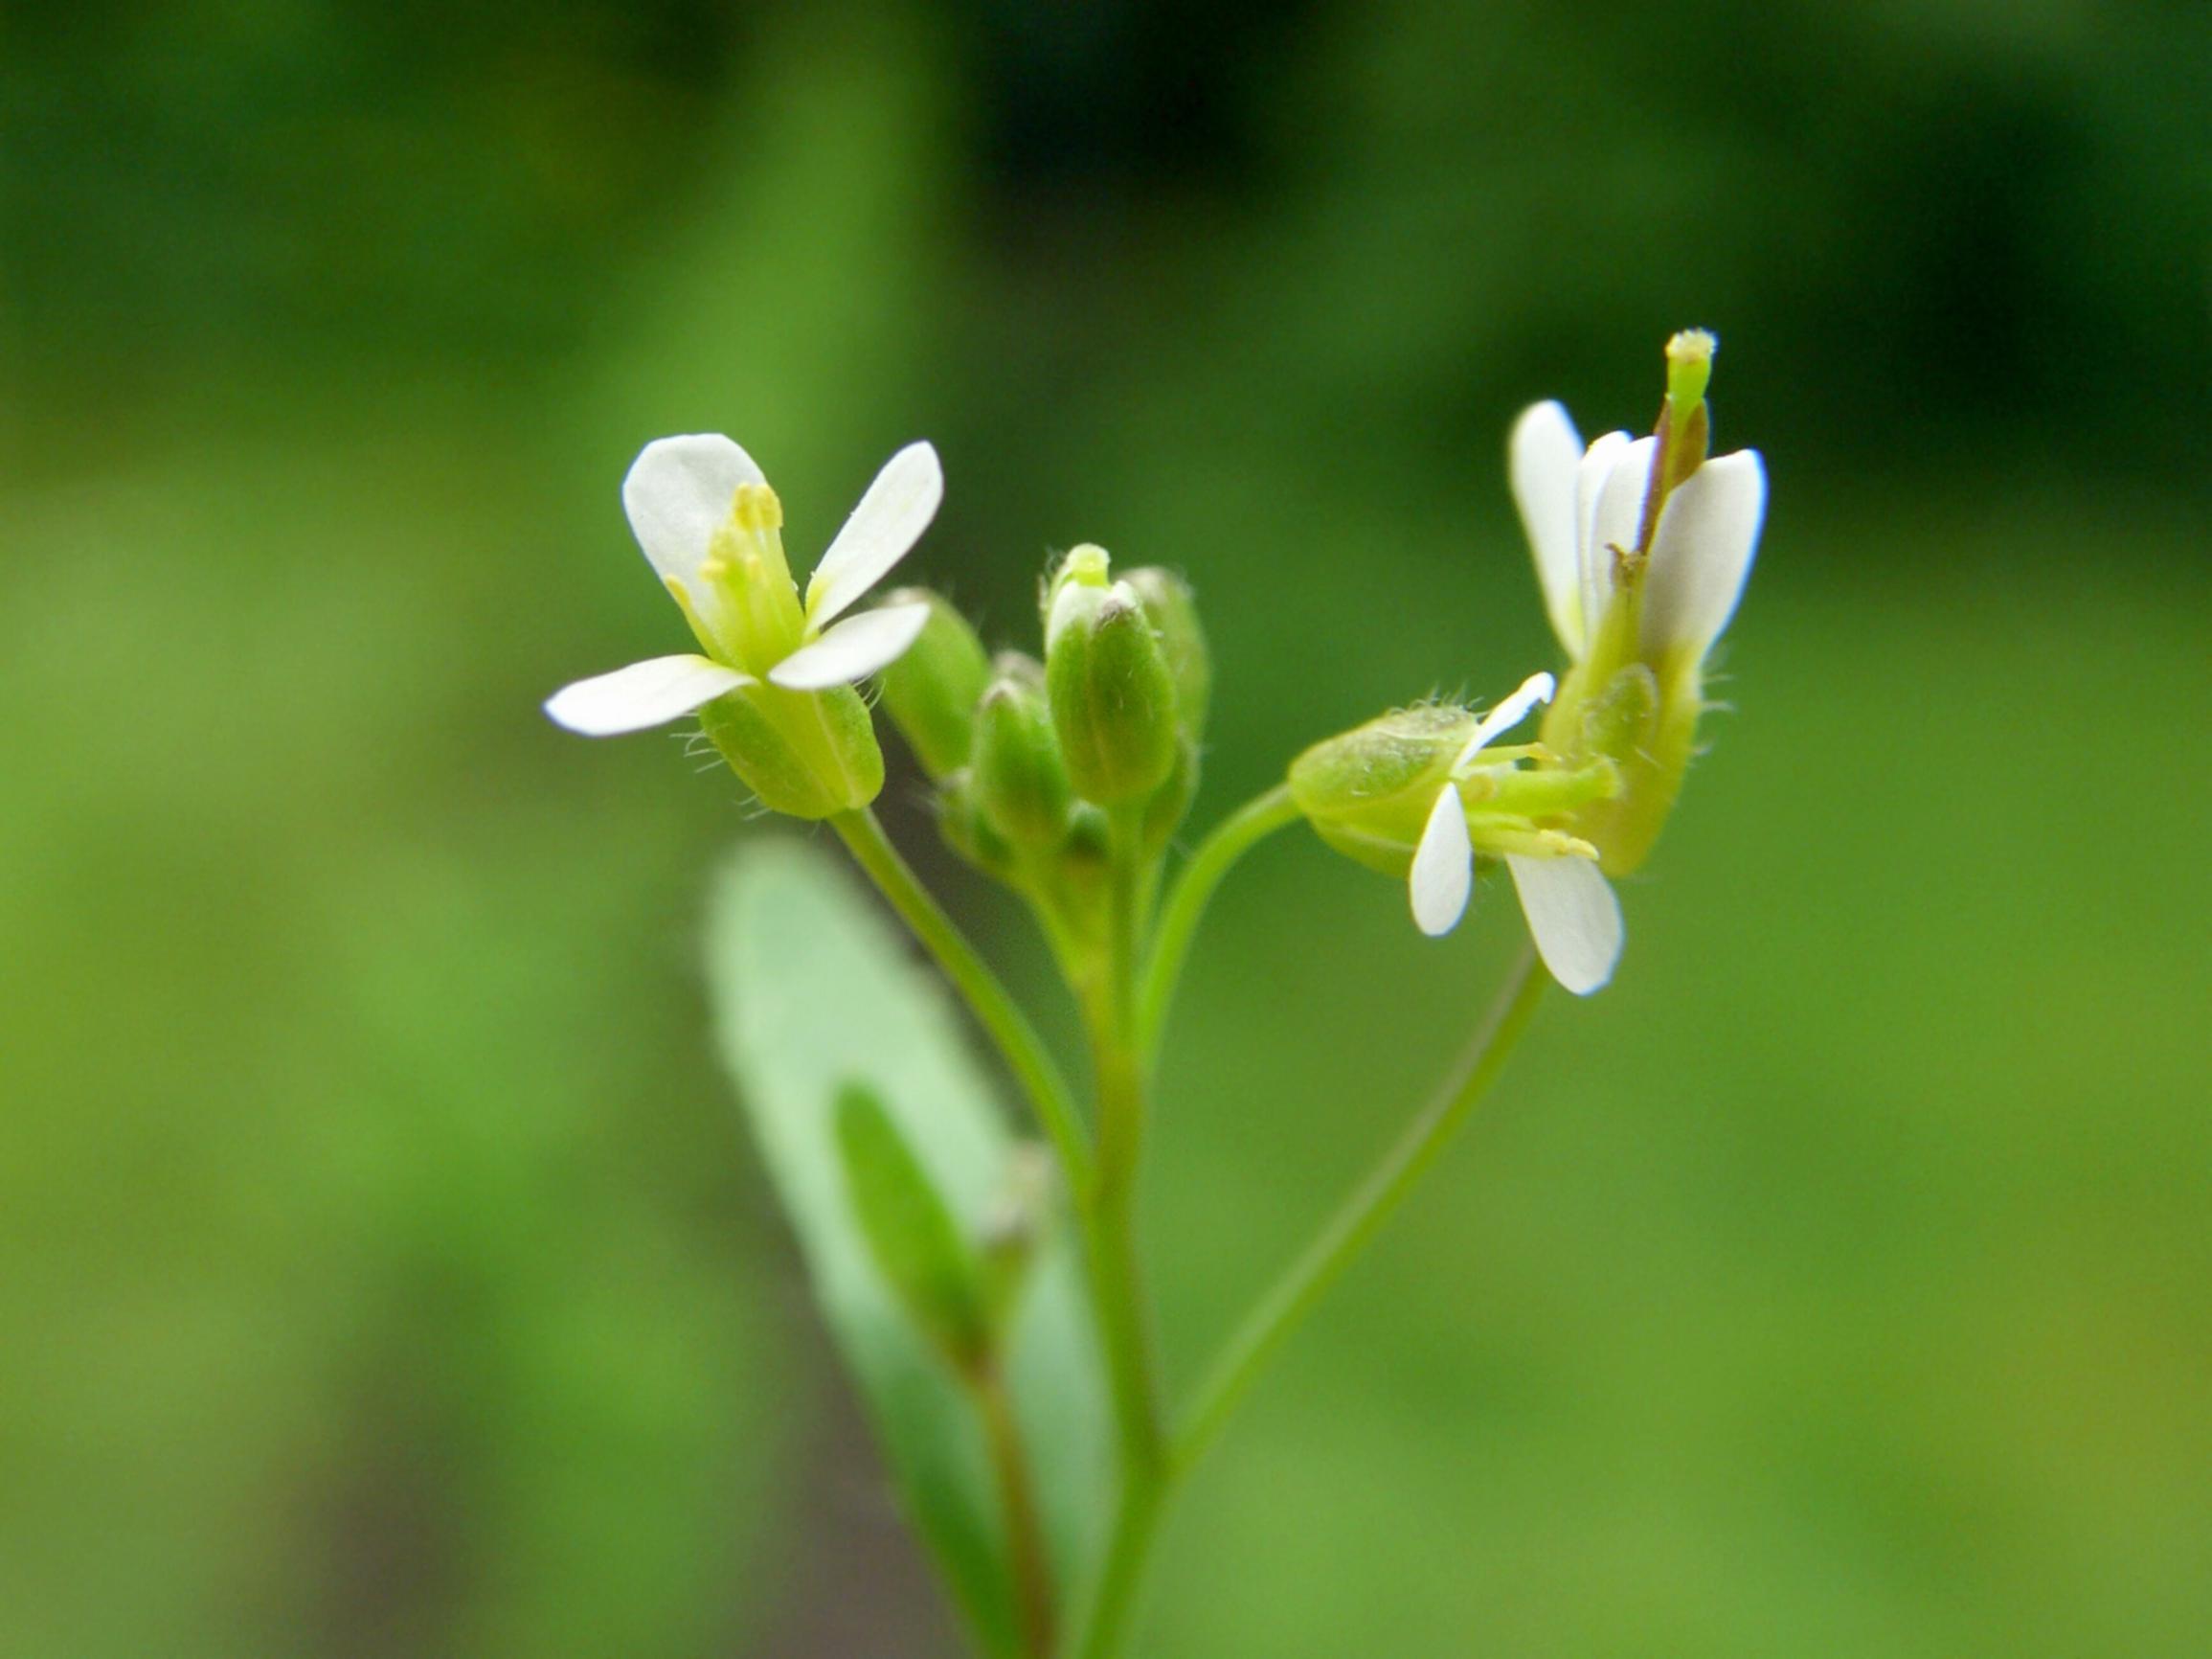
[993,1006]
[1217,854]
[1371,1204]
[1018,1503]
[1116,1279]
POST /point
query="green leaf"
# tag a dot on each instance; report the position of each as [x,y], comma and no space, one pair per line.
[919,1247]
[814,993]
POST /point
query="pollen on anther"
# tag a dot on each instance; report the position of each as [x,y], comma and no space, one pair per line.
[754,507]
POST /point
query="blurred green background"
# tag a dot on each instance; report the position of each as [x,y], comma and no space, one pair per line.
[383,1267]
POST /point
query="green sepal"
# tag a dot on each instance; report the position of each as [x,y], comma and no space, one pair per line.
[1173,609]
[1170,803]
[805,754]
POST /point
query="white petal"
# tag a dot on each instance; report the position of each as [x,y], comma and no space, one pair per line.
[1618,520]
[647,694]
[1589,483]
[1534,689]
[1700,555]
[889,520]
[1543,458]
[853,649]
[1443,873]
[1574,916]
[678,495]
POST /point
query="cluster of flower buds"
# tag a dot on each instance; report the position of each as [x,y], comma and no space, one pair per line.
[1034,760]
[1046,771]
[1642,548]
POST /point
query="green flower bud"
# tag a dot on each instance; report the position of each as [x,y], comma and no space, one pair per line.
[807,754]
[1174,612]
[1369,792]
[931,691]
[1019,777]
[1112,697]
[960,821]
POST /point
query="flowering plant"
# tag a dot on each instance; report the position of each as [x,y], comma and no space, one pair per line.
[987,1291]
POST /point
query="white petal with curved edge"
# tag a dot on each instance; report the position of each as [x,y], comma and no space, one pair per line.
[1701,555]
[1574,916]
[678,494]
[1617,521]
[888,522]
[1543,458]
[1443,873]
[647,694]
[853,649]
[1534,689]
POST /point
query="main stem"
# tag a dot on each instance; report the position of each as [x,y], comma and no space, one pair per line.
[1116,1279]
[1362,1216]
[993,1006]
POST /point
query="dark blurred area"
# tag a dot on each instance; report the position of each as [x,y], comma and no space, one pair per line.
[383,1267]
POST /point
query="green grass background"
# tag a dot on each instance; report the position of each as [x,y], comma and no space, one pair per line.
[383,1267]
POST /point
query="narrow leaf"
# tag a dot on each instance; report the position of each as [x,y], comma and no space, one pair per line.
[814,993]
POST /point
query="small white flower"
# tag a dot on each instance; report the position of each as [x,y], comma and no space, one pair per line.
[1583,510]
[1569,905]
[711,526]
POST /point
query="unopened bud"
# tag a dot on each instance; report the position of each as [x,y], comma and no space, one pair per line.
[1112,697]
[960,821]
[931,691]
[1019,777]
[1174,612]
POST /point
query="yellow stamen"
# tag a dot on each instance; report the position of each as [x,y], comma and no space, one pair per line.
[755,508]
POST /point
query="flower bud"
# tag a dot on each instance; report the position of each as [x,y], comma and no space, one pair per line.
[1020,779]
[931,691]
[961,823]
[1112,697]
[1369,792]
[1174,612]
[807,754]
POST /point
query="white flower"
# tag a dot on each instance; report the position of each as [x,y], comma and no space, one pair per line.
[1584,512]
[1569,905]
[711,526]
